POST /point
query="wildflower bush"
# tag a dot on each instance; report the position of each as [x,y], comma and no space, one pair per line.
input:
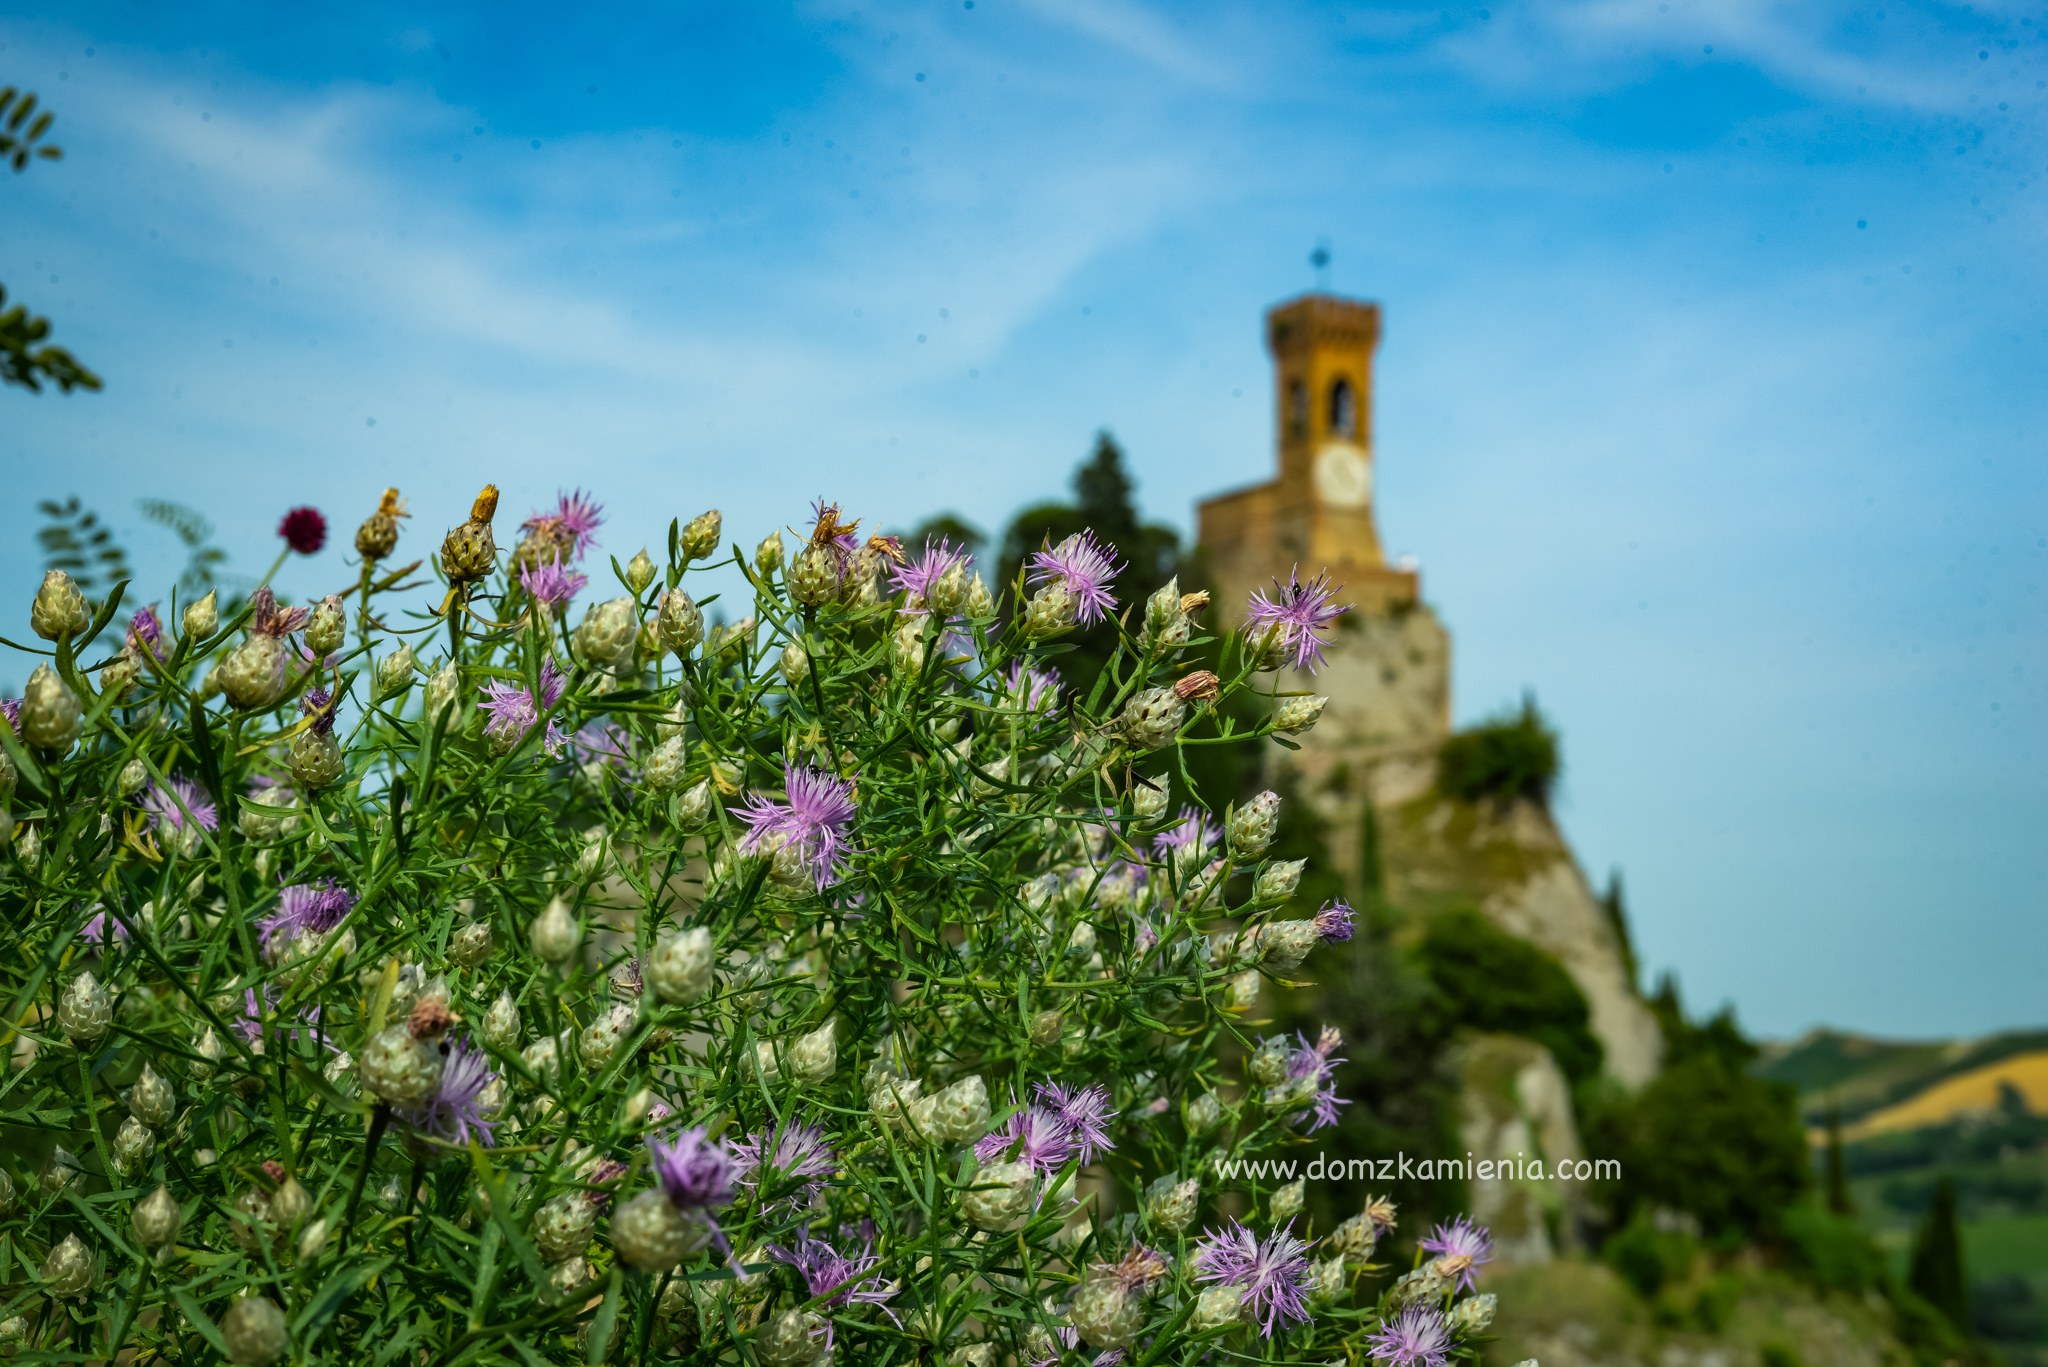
[410,976]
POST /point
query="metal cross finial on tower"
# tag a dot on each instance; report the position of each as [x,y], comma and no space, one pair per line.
[1320,259]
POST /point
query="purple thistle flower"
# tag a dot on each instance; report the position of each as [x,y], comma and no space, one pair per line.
[1274,1272]
[1039,1136]
[577,516]
[1084,1111]
[550,583]
[1299,612]
[1084,568]
[458,1105]
[268,619]
[843,1280]
[1032,687]
[792,1149]
[1417,1337]
[176,803]
[696,1173]
[105,928]
[10,708]
[1193,830]
[250,1024]
[1460,1248]
[813,820]
[145,631]
[306,908]
[514,710]
[931,565]
[1333,922]
[1319,1062]
[603,743]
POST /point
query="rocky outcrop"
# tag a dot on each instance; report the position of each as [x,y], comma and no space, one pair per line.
[1516,1113]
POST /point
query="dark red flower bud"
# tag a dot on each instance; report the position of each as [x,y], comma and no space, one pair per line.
[304,530]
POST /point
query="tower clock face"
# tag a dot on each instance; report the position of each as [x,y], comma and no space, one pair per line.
[1343,475]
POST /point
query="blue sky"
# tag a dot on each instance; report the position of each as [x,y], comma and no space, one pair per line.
[1710,400]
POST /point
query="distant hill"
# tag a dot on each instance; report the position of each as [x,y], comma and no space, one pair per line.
[1861,1075]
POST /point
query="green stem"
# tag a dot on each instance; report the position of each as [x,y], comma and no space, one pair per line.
[379,1119]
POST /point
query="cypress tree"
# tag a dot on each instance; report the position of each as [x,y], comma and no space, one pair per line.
[1839,1201]
[1937,1273]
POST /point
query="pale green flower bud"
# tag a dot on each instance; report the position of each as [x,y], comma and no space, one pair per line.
[908,649]
[1281,944]
[700,537]
[6,1192]
[443,689]
[1153,717]
[28,846]
[395,671]
[973,1355]
[892,1098]
[1285,1202]
[1204,1113]
[500,1024]
[202,618]
[1250,827]
[470,945]
[119,673]
[1298,715]
[607,633]
[794,1338]
[59,609]
[950,590]
[313,1241]
[554,934]
[210,1053]
[680,623]
[1216,1307]
[156,1219]
[1473,1315]
[255,673]
[1051,611]
[1242,992]
[600,1039]
[543,1058]
[768,555]
[255,1332]
[640,571]
[326,627]
[151,1100]
[290,1204]
[565,1225]
[316,759]
[1148,800]
[1170,1205]
[7,781]
[980,602]
[60,1172]
[85,1011]
[664,770]
[679,968]
[653,1236]
[1278,880]
[730,639]
[1106,1313]
[694,809]
[960,1113]
[400,1070]
[1424,1284]
[795,664]
[133,1144]
[1269,1061]
[814,576]
[69,1271]
[134,776]
[49,711]
[1046,1027]
[1354,1238]
[998,1199]
[257,826]
[815,1056]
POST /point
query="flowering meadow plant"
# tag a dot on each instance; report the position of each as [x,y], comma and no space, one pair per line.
[411,976]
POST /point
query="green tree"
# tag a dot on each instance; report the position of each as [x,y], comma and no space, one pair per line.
[1510,757]
[1495,981]
[1839,1200]
[26,359]
[1937,1270]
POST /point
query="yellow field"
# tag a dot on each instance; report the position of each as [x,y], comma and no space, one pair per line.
[1976,1090]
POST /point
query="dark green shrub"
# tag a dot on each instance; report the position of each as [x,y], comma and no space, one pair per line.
[1649,1258]
[1495,981]
[1832,1252]
[1511,757]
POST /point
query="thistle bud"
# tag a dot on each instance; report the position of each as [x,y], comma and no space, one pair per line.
[960,1113]
[378,536]
[700,537]
[202,618]
[1268,1065]
[6,1192]
[255,673]
[1204,1113]
[85,1011]
[590,859]
[470,945]
[1148,801]
[1354,1238]
[565,1225]
[980,602]
[1250,827]
[468,552]
[554,934]
[650,1234]
[1170,1205]
[607,633]
[1051,611]
[768,555]
[600,1039]
[59,609]
[814,575]
[399,1068]
[664,771]
[255,1331]
[151,1100]
[795,664]
[444,687]
[815,1056]
[133,1144]
[313,1241]
[1153,718]
[1278,880]
[1107,1313]
[1298,715]
[395,671]
[679,968]
[679,623]
[119,673]
[1166,624]
[694,809]
[908,649]
[156,1219]
[794,1338]
[1285,1202]
[290,1203]
[69,1269]
[28,846]
[60,1172]
[1217,1306]
[49,711]
[316,759]
[640,571]
[1473,1315]
[210,1054]
[326,627]
[1046,1027]
[999,1198]
[500,1024]
[1424,1284]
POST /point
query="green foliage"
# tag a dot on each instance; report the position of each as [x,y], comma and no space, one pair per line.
[26,362]
[203,558]
[1494,981]
[1936,1275]
[1511,757]
[75,541]
[1836,1170]
[1649,1258]
[1615,904]
[1833,1253]
[22,129]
